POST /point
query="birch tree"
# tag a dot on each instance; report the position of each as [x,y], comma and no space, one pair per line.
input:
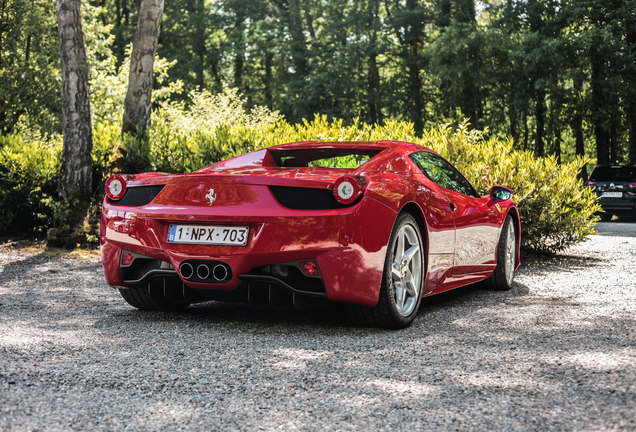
[75,179]
[138,102]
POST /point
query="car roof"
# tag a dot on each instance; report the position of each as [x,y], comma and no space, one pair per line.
[348,144]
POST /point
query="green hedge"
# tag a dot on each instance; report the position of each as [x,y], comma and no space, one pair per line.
[29,165]
[556,209]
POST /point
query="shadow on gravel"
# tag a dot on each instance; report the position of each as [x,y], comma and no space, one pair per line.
[542,265]
[325,319]
[40,263]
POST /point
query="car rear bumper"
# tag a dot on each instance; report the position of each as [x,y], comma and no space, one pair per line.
[348,245]
[618,205]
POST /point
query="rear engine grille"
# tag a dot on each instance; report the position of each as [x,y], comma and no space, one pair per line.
[138,196]
[299,198]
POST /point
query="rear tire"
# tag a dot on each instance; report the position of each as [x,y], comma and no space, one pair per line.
[145,298]
[606,217]
[503,275]
[401,289]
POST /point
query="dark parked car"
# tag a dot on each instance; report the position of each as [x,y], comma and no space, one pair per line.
[616,187]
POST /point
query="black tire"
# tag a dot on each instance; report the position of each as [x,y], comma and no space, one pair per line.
[606,217]
[386,313]
[148,298]
[501,280]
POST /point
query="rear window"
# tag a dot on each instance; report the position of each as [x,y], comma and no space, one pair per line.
[326,158]
[613,174]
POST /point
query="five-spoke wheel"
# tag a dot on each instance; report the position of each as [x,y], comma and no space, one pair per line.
[406,270]
[504,273]
[401,289]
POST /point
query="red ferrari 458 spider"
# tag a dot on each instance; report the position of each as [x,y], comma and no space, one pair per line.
[373,225]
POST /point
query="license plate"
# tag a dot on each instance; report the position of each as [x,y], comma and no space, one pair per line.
[612,194]
[209,234]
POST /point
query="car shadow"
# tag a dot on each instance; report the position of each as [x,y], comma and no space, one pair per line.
[324,319]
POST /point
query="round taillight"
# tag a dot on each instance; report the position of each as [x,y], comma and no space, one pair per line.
[116,187]
[347,189]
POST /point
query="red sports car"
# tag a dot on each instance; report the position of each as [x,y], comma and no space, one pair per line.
[373,225]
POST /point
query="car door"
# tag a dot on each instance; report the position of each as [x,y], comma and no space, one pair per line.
[476,225]
[440,226]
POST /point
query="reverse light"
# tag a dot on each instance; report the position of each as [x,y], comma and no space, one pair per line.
[116,187]
[632,185]
[348,189]
[127,257]
[310,268]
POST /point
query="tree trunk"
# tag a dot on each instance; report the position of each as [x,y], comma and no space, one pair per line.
[526,131]
[27,54]
[267,82]
[599,105]
[75,179]
[138,102]
[309,20]
[415,92]
[630,94]
[557,144]
[539,146]
[414,36]
[118,43]
[199,35]
[444,15]
[2,30]
[299,44]
[631,124]
[375,113]
[409,31]
[373,78]
[512,118]
[239,49]
[214,68]
[579,144]
[577,120]
[465,11]
[614,130]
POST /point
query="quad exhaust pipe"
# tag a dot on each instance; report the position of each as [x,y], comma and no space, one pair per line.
[220,272]
[205,271]
[186,270]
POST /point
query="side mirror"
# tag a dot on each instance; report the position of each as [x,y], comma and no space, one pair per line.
[500,193]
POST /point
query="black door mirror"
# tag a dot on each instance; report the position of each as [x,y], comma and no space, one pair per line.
[500,193]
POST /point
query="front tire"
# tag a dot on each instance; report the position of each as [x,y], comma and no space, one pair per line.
[503,275]
[401,289]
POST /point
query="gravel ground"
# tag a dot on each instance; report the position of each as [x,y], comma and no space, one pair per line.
[557,352]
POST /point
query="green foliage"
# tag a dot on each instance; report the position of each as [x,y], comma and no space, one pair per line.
[30,82]
[29,166]
[556,210]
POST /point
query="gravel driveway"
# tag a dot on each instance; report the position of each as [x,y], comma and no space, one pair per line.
[557,352]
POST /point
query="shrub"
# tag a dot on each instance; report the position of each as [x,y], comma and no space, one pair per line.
[556,209]
[28,179]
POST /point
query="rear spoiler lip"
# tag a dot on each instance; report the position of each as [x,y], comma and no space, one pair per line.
[324,181]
